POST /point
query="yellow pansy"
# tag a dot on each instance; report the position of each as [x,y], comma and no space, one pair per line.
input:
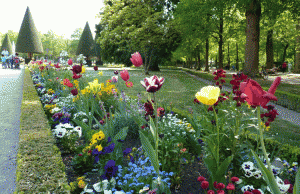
[81,184]
[99,148]
[100,73]
[208,95]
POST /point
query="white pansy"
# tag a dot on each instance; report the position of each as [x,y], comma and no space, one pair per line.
[119,192]
[60,132]
[247,188]
[248,173]
[84,120]
[107,192]
[248,166]
[257,174]
[55,110]
[86,190]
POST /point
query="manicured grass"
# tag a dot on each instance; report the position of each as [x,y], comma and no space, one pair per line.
[180,89]
[39,164]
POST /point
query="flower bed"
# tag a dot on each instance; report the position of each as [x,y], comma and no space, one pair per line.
[94,125]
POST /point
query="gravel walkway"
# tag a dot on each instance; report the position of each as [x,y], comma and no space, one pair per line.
[11,92]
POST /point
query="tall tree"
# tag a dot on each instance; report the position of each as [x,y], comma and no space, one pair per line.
[28,39]
[126,32]
[6,44]
[253,13]
[86,44]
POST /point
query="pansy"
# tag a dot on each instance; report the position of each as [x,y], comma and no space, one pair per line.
[248,166]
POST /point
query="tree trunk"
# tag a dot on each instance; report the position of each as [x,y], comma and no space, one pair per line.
[199,62]
[237,57]
[284,52]
[216,62]
[206,54]
[221,44]
[269,50]
[253,13]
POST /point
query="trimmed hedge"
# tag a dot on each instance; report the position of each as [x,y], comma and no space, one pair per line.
[39,164]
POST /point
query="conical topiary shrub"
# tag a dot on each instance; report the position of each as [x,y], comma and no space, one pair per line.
[28,39]
[6,44]
[86,44]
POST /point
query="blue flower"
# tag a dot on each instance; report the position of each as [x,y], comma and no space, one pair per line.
[171,174]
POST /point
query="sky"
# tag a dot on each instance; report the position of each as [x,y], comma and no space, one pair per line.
[60,16]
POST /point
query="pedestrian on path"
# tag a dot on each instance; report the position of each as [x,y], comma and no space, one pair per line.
[3,58]
[284,67]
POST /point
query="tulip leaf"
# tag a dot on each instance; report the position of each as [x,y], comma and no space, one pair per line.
[150,151]
[121,134]
[297,183]
[153,128]
[267,175]
[223,168]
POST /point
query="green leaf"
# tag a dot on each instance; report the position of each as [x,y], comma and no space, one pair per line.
[121,134]
[152,128]
[223,168]
[267,175]
[150,151]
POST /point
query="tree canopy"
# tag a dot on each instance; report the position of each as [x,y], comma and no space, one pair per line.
[86,42]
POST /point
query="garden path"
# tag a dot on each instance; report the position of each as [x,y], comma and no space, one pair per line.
[11,92]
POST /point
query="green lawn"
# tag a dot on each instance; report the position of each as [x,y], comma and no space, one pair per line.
[180,89]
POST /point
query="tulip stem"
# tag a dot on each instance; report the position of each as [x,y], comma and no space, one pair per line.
[218,147]
[262,142]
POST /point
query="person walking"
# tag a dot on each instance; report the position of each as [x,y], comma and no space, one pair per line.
[3,58]
[284,67]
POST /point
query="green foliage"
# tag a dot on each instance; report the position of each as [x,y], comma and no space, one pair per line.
[28,40]
[126,120]
[6,44]
[69,142]
[86,42]
[83,162]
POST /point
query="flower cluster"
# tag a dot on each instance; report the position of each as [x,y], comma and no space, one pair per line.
[219,74]
[271,114]
[236,80]
[218,186]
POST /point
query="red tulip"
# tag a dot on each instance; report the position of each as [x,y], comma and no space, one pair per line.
[220,186]
[256,96]
[76,69]
[220,192]
[75,76]
[230,186]
[74,92]
[201,178]
[153,83]
[56,65]
[124,75]
[136,59]
[70,62]
[255,191]
[95,68]
[210,192]
[204,185]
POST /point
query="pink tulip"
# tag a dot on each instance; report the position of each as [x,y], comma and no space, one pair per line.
[153,83]
[136,59]
[124,75]
[70,62]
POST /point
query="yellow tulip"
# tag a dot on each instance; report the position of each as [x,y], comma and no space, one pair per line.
[83,69]
[100,73]
[208,95]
